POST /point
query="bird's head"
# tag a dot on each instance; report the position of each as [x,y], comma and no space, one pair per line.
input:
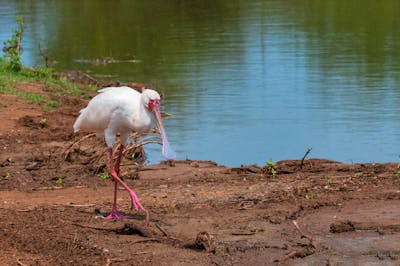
[151,99]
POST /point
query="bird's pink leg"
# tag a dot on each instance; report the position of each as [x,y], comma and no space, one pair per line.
[112,169]
[114,214]
[118,161]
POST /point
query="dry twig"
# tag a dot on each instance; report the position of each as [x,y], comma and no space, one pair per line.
[20,263]
[303,235]
[161,229]
[304,157]
[67,151]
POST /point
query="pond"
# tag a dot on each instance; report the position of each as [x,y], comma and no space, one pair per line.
[246,81]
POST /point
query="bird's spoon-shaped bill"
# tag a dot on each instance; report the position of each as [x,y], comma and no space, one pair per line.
[167,150]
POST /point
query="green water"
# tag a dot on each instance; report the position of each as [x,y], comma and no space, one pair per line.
[245,80]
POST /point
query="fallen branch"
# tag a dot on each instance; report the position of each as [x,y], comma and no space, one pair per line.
[304,157]
[139,140]
[126,229]
[303,235]
[139,144]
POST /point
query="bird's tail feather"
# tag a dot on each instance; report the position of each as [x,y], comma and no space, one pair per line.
[77,124]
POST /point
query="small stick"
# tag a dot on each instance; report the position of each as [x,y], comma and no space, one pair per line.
[147,221]
[304,157]
[80,205]
[145,240]
[161,229]
[140,144]
[20,263]
[304,235]
[243,233]
[83,138]
[304,252]
[76,142]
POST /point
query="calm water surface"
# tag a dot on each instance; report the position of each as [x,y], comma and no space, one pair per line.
[246,81]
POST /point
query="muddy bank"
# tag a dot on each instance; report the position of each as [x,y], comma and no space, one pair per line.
[315,212]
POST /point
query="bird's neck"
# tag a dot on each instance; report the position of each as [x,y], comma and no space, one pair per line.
[144,119]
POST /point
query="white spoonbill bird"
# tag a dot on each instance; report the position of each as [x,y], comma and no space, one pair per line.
[121,111]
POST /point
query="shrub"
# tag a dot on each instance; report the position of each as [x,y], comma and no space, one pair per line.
[12,48]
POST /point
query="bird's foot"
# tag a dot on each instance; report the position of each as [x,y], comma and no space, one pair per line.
[114,215]
[135,201]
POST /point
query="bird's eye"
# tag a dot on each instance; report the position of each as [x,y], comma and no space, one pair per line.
[153,103]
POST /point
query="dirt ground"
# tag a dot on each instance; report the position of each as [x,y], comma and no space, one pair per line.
[311,212]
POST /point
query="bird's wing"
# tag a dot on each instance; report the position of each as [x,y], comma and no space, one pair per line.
[100,110]
[122,89]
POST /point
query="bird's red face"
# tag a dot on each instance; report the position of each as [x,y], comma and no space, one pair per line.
[153,104]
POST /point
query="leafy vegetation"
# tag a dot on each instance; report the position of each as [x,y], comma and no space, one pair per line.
[310,196]
[12,48]
[270,168]
[104,176]
[43,122]
[397,174]
[13,74]
[7,176]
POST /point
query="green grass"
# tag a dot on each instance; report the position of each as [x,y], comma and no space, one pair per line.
[13,75]
[30,97]
[52,83]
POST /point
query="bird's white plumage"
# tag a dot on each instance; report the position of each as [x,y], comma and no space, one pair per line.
[117,110]
[121,110]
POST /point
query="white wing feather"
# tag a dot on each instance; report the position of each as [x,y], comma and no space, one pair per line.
[110,101]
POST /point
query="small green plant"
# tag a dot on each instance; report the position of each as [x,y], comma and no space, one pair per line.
[329,181]
[270,167]
[12,48]
[104,176]
[358,174]
[59,181]
[43,122]
[310,196]
[7,176]
[397,174]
